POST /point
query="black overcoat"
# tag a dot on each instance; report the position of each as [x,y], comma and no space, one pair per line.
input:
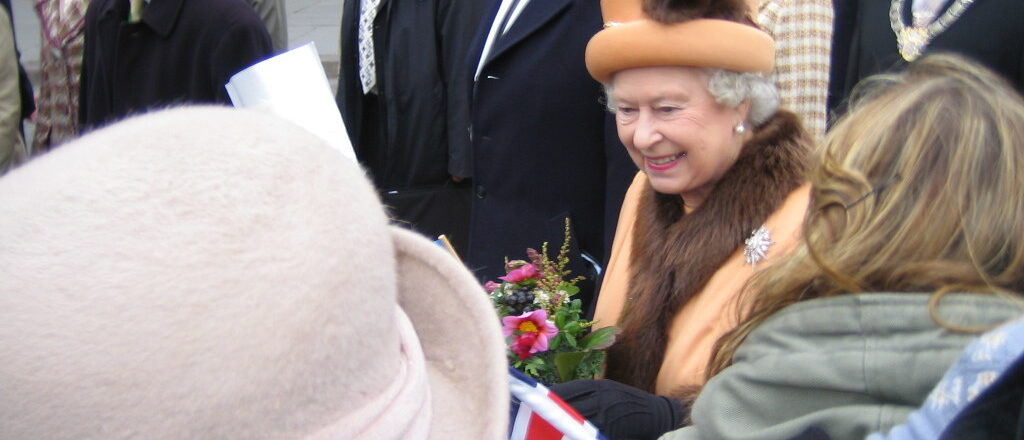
[182,51]
[420,46]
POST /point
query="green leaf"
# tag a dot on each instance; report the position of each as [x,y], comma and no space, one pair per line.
[533,366]
[572,309]
[600,339]
[571,340]
[591,365]
[555,342]
[560,318]
[573,328]
[566,364]
[570,289]
[531,370]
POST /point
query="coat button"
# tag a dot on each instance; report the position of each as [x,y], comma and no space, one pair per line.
[481,192]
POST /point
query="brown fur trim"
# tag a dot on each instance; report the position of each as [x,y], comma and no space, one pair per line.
[674,255]
[675,11]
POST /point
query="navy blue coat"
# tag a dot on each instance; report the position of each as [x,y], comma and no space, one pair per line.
[544,147]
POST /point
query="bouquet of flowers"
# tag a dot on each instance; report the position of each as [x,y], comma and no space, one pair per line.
[547,338]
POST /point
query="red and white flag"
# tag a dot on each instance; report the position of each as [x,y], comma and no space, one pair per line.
[538,414]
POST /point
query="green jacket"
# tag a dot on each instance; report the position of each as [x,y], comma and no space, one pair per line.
[850,365]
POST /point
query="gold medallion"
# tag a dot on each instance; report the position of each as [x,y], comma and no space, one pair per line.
[911,42]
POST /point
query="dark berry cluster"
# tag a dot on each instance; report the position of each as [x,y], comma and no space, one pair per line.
[520,301]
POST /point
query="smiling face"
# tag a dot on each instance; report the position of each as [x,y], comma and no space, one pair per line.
[674,129]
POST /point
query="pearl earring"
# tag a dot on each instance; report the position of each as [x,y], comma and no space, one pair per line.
[740,129]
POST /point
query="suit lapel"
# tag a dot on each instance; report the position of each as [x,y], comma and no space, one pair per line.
[383,10]
[533,17]
[477,47]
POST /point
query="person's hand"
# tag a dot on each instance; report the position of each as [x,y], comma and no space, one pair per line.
[621,411]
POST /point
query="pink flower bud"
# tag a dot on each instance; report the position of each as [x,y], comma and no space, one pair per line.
[524,272]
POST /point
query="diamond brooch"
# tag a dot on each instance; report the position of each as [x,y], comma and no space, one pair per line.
[757,246]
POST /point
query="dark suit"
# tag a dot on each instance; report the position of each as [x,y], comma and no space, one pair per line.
[544,148]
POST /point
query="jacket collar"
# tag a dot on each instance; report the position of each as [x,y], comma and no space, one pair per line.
[160,15]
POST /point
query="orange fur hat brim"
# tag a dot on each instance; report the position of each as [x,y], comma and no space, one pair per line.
[700,43]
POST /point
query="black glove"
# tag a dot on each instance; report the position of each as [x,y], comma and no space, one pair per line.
[621,411]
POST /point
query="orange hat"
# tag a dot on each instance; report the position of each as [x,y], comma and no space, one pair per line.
[715,33]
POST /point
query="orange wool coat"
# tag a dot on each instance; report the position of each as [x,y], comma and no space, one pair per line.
[710,313]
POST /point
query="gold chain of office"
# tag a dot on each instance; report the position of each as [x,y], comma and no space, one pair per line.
[913,40]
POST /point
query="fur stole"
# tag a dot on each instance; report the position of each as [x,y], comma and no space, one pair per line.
[675,254]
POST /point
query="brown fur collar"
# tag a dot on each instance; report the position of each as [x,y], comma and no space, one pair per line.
[675,254]
[675,11]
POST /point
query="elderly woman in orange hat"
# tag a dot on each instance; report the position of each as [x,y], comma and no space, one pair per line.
[719,195]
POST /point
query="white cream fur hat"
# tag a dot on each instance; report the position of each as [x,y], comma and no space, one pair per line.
[210,273]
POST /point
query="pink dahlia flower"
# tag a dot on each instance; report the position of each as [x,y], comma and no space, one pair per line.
[531,331]
[523,346]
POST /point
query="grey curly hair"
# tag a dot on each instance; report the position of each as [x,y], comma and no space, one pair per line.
[732,88]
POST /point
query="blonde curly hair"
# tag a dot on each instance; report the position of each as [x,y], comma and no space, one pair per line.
[917,189]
